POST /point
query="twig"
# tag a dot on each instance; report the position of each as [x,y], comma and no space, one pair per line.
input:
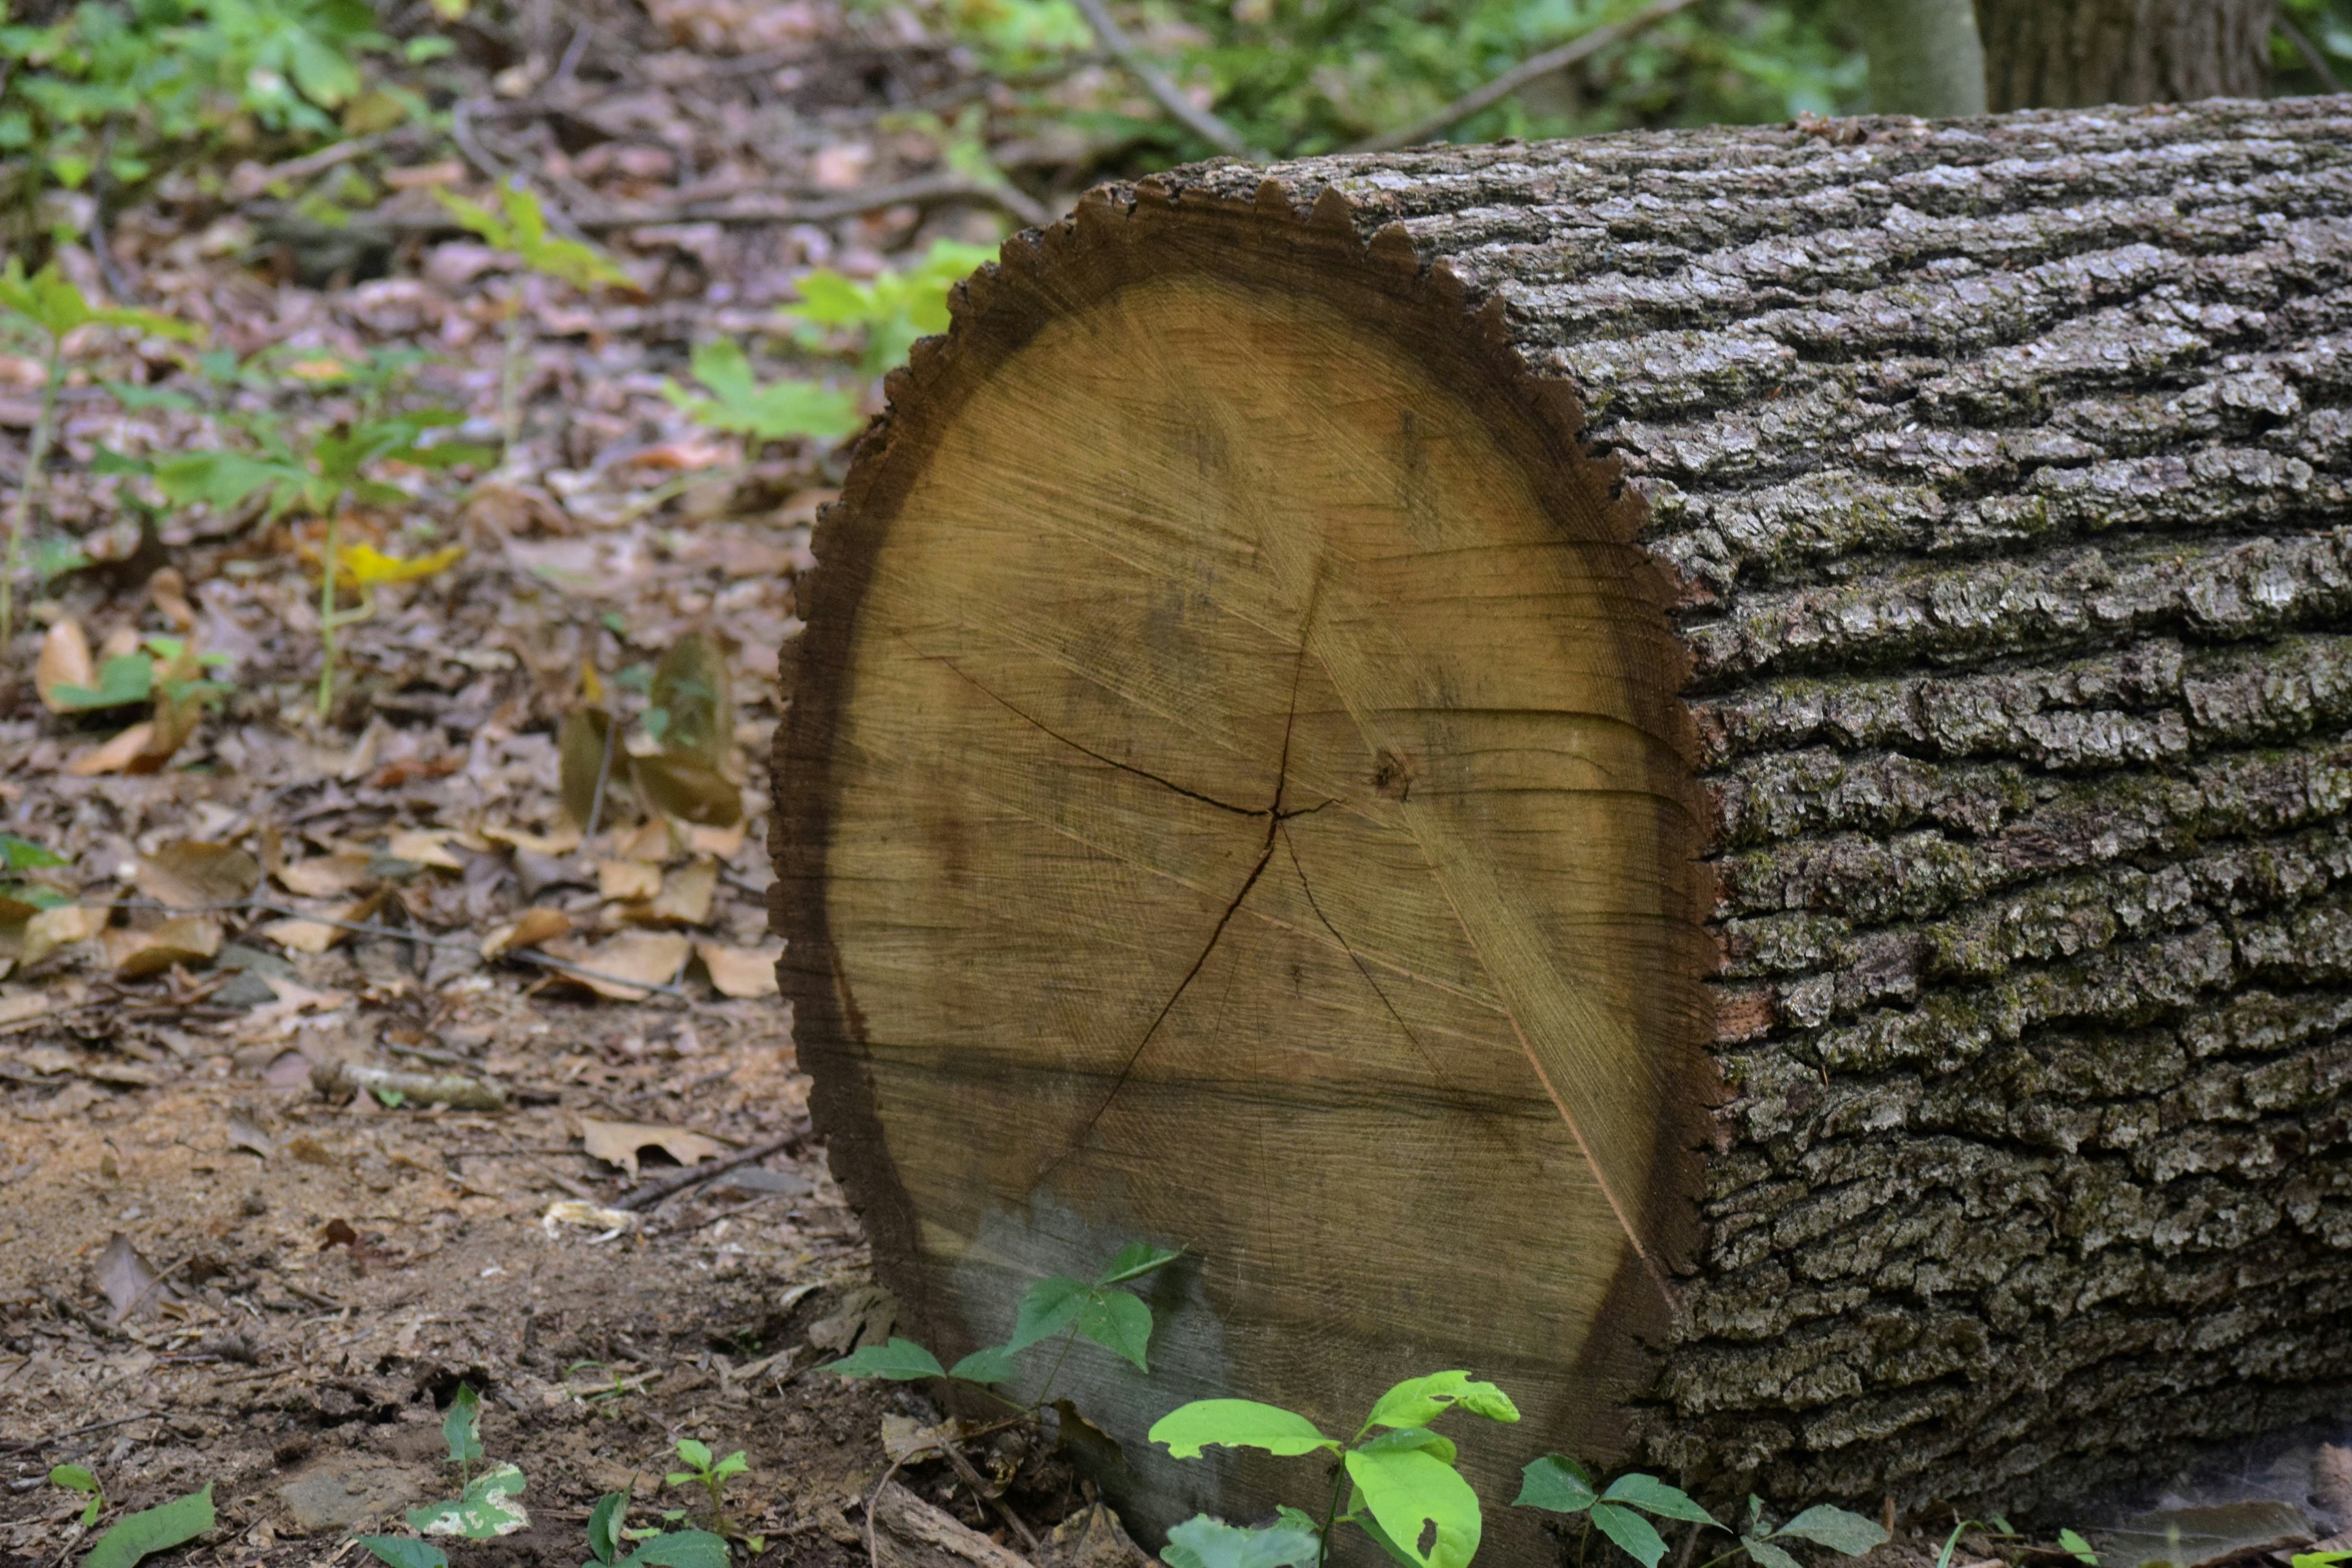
[1198,121]
[652,1193]
[27,1445]
[963,1467]
[1529,69]
[2308,50]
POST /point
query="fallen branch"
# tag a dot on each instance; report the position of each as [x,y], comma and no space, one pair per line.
[1164,92]
[651,1193]
[455,1091]
[1532,68]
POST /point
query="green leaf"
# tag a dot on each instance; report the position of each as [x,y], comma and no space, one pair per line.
[1764,1555]
[694,691]
[125,678]
[1135,1260]
[1205,1543]
[734,1464]
[694,1453]
[994,1365]
[404,1551]
[1629,1529]
[461,1428]
[604,1526]
[1408,1490]
[153,1529]
[1118,1321]
[781,410]
[1050,1306]
[486,1509]
[1654,1495]
[1418,1401]
[1835,1528]
[1236,1424]
[24,855]
[2080,1550]
[222,480]
[900,1361]
[1556,1482]
[2300,1560]
[1420,1437]
[680,1549]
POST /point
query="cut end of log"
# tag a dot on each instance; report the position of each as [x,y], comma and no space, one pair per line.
[1236,796]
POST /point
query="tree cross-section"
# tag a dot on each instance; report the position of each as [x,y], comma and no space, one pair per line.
[1704,773]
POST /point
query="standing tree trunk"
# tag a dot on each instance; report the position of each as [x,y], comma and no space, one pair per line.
[2073,54]
[1704,773]
[1925,56]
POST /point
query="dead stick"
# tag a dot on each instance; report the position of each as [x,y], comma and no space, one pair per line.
[652,1193]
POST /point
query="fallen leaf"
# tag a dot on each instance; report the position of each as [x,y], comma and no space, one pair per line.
[115,756]
[865,1314]
[313,936]
[685,896]
[625,879]
[582,744]
[626,963]
[63,660]
[561,843]
[60,927]
[244,1134]
[694,693]
[327,876]
[16,1009]
[651,842]
[193,874]
[689,788]
[425,846]
[128,1279]
[168,591]
[185,940]
[587,1215]
[618,1143]
[740,971]
[532,927]
[722,842]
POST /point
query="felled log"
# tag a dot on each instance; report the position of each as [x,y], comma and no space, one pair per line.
[1704,773]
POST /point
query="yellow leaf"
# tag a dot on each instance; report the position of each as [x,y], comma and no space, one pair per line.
[740,971]
[364,566]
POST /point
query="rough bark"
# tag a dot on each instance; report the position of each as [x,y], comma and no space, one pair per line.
[2003,469]
[2071,54]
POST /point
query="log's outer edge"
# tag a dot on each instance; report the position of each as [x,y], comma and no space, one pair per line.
[1119,234]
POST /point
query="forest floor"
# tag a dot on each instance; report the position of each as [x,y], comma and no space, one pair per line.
[213,1270]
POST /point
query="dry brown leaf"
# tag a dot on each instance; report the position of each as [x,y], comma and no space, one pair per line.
[31,1004]
[627,879]
[685,896]
[115,756]
[169,593]
[582,744]
[689,788]
[60,927]
[562,842]
[425,846]
[740,971]
[65,660]
[131,1282]
[618,1143]
[186,938]
[313,936]
[721,841]
[326,876]
[192,874]
[626,963]
[652,842]
[534,926]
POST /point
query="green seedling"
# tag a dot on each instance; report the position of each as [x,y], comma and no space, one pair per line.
[133,678]
[21,900]
[2300,1560]
[55,309]
[712,1478]
[690,713]
[1117,1320]
[520,227]
[608,1533]
[135,1536]
[1558,1484]
[1848,1534]
[73,1477]
[2074,1546]
[486,1506]
[1996,1527]
[891,310]
[780,411]
[404,1551]
[1396,1476]
[321,479]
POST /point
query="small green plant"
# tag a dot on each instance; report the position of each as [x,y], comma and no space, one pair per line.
[21,899]
[689,714]
[486,1505]
[2300,1560]
[159,1529]
[321,476]
[404,1551]
[780,411]
[54,309]
[608,1532]
[1099,1309]
[1848,1534]
[1396,1476]
[2074,1546]
[891,310]
[131,678]
[520,226]
[1558,1484]
[73,1477]
[712,1478]
[1996,1527]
